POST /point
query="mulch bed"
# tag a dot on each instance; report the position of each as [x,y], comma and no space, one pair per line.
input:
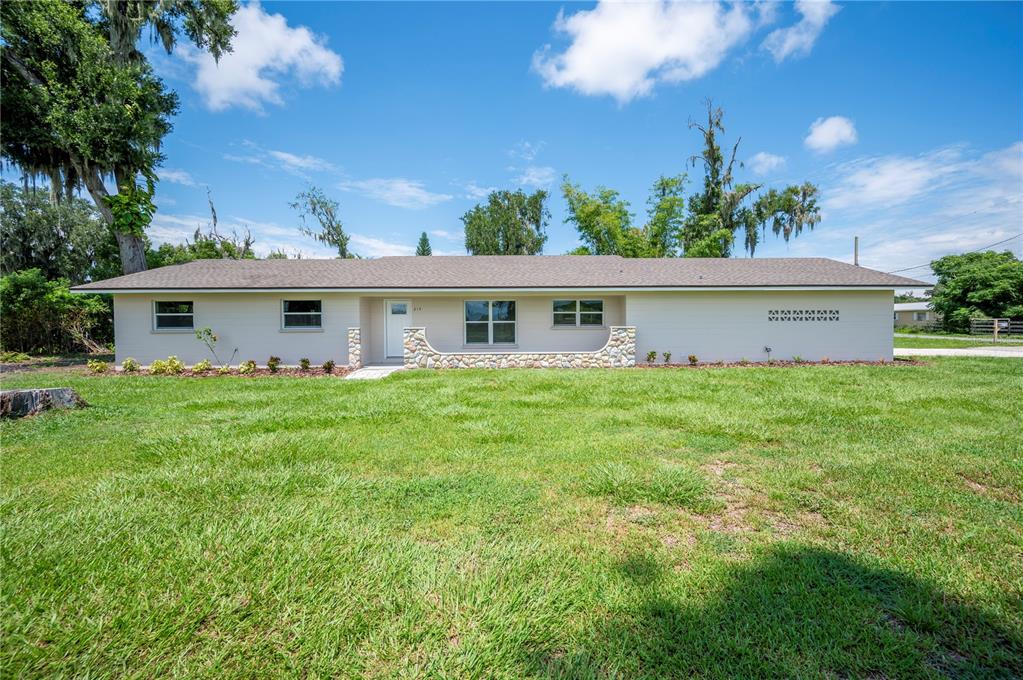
[317,372]
[898,361]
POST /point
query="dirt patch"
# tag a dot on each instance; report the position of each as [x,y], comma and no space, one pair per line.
[742,504]
[618,521]
[718,467]
[674,540]
[988,489]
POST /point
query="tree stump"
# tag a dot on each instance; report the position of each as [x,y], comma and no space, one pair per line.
[21,403]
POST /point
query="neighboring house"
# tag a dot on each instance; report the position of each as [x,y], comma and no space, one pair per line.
[914,314]
[506,310]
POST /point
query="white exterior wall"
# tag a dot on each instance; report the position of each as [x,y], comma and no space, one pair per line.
[250,322]
[444,320]
[730,326]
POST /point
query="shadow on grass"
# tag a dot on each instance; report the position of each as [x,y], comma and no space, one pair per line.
[796,612]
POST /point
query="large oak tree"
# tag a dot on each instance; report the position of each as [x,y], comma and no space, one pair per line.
[82,106]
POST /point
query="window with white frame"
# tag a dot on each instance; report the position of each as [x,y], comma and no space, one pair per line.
[489,322]
[302,314]
[920,316]
[578,313]
[176,315]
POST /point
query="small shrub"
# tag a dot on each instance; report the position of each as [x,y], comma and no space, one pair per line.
[224,370]
[247,367]
[175,365]
[693,360]
[303,364]
[158,367]
[273,363]
[651,356]
[667,357]
[328,366]
[202,366]
[797,359]
[825,360]
[744,361]
[96,366]
[13,357]
[129,365]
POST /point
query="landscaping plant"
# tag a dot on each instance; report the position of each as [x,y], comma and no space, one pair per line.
[667,357]
[328,366]
[273,363]
[303,364]
[202,366]
[96,366]
[693,360]
[129,365]
[247,367]
[651,356]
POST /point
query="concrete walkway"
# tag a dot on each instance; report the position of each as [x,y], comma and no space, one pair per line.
[373,372]
[1004,352]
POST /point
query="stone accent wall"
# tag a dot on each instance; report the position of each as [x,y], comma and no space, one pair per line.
[619,352]
[355,347]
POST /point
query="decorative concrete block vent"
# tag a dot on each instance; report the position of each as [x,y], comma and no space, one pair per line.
[355,348]
[619,352]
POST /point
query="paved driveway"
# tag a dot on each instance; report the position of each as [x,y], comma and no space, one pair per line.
[1005,352]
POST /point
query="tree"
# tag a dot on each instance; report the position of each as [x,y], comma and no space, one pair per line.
[605,226]
[326,211]
[43,316]
[510,223]
[423,248]
[82,105]
[208,245]
[61,240]
[723,208]
[986,284]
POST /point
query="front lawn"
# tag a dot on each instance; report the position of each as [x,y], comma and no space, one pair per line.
[836,521]
[944,343]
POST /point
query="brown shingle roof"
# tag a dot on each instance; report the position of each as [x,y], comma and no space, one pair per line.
[454,272]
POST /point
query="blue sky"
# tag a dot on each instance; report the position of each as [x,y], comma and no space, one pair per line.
[909,116]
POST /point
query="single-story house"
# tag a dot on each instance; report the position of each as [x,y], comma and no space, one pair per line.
[914,314]
[505,310]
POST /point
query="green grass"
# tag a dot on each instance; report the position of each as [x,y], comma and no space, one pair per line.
[953,342]
[835,521]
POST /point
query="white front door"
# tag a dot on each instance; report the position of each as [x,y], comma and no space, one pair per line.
[397,315]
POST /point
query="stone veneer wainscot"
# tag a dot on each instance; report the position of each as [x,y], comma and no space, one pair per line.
[355,348]
[619,352]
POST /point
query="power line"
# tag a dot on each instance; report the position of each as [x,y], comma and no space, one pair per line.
[966,253]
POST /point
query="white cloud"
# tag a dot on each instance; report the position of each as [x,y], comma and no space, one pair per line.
[367,246]
[798,40]
[295,163]
[475,192]
[827,134]
[176,177]
[526,151]
[396,191]
[266,51]
[534,176]
[910,210]
[624,49]
[450,236]
[763,162]
[886,181]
